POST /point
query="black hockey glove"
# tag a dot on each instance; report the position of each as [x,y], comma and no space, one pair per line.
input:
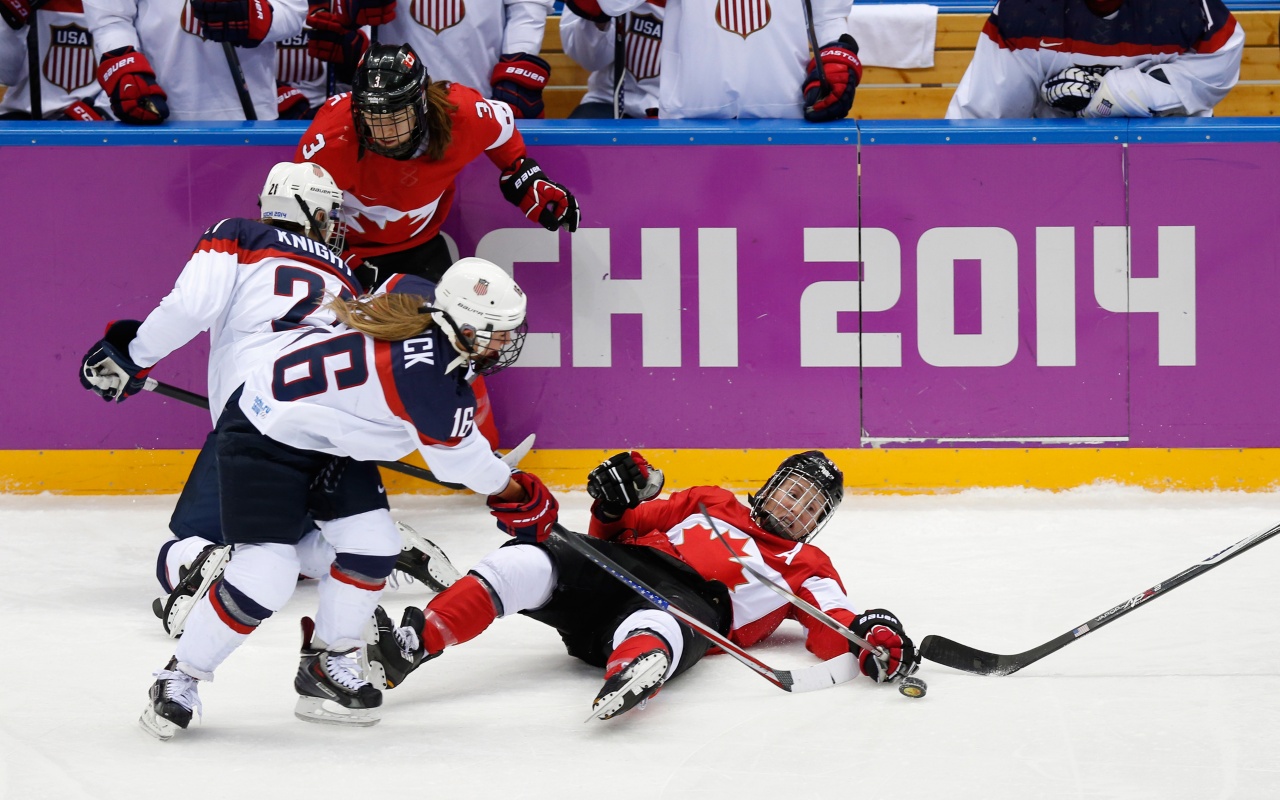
[882,629]
[1070,90]
[623,481]
[544,201]
[107,369]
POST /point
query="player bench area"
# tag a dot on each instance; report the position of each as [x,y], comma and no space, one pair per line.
[925,93]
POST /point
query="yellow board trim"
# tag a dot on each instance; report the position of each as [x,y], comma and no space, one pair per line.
[897,471]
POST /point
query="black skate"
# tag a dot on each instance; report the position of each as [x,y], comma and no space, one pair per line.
[331,685]
[632,686]
[395,652]
[174,696]
[193,585]
[422,560]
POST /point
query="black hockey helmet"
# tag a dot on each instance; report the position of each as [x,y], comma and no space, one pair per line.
[389,89]
[800,497]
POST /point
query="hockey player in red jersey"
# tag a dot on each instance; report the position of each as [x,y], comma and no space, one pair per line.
[668,544]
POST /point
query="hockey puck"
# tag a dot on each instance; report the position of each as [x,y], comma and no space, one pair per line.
[912,687]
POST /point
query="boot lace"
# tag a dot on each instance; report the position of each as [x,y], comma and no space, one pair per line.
[344,669]
[181,688]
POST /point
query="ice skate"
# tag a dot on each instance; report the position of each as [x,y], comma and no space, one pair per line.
[395,652]
[173,696]
[193,584]
[422,560]
[632,685]
[331,685]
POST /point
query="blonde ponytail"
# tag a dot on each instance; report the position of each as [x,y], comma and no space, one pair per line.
[389,317]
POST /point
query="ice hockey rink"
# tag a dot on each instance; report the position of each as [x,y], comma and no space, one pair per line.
[1178,699]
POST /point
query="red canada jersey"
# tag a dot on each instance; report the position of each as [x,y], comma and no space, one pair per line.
[676,525]
[392,205]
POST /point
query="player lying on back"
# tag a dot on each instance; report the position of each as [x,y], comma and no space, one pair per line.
[668,544]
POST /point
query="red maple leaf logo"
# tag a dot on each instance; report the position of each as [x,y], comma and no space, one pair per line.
[705,551]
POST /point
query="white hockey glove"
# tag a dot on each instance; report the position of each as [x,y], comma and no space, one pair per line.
[1070,90]
[1133,93]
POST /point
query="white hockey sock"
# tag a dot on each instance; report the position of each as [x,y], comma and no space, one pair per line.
[344,612]
[206,640]
[315,555]
[658,621]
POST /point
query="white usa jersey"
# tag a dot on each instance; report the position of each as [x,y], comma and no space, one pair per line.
[192,71]
[594,50]
[726,59]
[244,278]
[461,42]
[336,390]
[676,525]
[67,62]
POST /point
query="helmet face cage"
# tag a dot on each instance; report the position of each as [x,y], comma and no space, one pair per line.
[389,101]
[799,498]
[492,350]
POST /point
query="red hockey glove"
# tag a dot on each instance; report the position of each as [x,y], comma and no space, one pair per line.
[528,520]
[587,9]
[518,80]
[80,111]
[333,37]
[546,202]
[15,12]
[882,629]
[130,83]
[624,480]
[291,103]
[374,12]
[243,23]
[107,370]
[843,71]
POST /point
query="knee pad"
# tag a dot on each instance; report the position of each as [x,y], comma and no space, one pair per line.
[372,533]
[257,582]
[522,576]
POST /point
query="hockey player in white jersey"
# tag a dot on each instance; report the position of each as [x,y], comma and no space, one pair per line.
[164,58]
[1099,59]
[668,544]
[315,400]
[68,89]
[727,59]
[493,46]
[594,44]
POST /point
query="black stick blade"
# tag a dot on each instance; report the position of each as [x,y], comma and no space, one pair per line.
[949,653]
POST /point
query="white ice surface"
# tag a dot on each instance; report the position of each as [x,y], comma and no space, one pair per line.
[1179,699]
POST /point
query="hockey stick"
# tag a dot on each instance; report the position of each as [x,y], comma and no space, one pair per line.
[512,458]
[817,51]
[909,686]
[962,657]
[237,77]
[619,65]
[840,669]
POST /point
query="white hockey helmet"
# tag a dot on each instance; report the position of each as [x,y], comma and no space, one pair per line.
[305,195]
[481,309]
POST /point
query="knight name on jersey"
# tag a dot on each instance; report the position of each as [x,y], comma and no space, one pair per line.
[308,245]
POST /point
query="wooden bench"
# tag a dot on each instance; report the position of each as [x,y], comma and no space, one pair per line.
[925,93]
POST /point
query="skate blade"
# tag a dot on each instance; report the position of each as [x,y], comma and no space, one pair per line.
[326,712]
[624,699]
[156,725]
[179,608]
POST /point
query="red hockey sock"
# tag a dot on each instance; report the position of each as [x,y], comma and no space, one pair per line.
[458,614]
[635,645]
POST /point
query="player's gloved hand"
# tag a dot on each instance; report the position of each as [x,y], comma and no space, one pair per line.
[291,103]
[107,369]
[882,629]
[587,9]
[243,23]
[374,12]
[80,111]
[546,202]
[333,36]
[130,83]
[843,70]
[518,80]
[528,520]
[1070,90]
[624,480]
[15,12]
